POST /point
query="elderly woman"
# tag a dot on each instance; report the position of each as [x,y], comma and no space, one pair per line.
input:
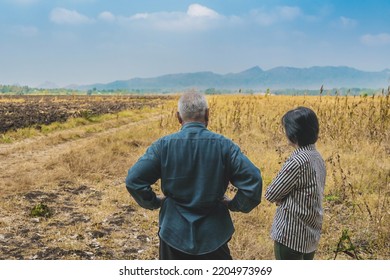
[298,190]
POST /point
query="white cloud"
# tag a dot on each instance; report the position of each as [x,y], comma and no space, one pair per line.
[197,17]
[107,16]
[65,16]
[281,13]
[196,10]
[381,39]
[140,16]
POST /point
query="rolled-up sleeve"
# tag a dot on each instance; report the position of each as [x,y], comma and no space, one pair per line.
[246,177]
[145,172]
[284,182]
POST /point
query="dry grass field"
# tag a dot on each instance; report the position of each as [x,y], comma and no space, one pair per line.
[62,192]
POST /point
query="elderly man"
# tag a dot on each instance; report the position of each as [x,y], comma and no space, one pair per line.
[195,166]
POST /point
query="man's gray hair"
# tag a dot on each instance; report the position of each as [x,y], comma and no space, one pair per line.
[192,106]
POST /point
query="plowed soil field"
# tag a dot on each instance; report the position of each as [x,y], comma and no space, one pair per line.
[25,111]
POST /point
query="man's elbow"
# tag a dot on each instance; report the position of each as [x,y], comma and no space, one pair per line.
[255,202]
[130,181]
[246,210]
[259,190]
[252,205]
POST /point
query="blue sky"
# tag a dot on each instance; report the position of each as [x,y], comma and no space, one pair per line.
[89,41]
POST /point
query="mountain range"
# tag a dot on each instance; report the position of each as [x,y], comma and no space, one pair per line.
[257,79]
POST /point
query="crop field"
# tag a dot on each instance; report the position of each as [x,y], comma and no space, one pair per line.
[25,111]
[63,162]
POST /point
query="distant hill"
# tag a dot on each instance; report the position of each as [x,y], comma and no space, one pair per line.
[256,78]
[48,85]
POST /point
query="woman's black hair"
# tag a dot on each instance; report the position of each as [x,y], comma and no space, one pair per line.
[301,126]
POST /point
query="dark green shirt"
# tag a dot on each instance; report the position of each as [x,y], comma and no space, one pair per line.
[195,166]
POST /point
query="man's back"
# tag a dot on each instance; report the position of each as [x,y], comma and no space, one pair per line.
[195,166]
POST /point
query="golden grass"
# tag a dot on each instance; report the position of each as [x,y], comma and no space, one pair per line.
[354,141]
[80,173]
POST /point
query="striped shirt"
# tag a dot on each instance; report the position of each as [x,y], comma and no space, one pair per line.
[298,191]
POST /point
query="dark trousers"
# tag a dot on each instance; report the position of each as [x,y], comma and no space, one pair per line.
[169,253]
[283,252]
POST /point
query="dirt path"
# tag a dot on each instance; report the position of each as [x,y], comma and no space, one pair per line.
[86,221]
[33,153]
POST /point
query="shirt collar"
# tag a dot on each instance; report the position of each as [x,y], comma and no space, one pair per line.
[309,147]
[193,124]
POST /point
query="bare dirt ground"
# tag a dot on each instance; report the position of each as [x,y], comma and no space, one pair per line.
[87,219]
